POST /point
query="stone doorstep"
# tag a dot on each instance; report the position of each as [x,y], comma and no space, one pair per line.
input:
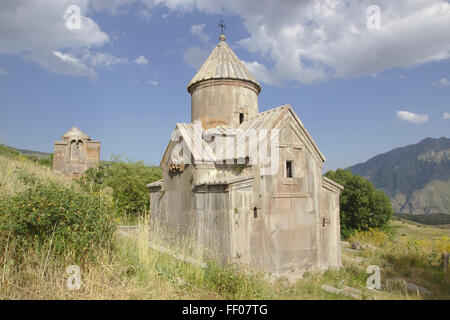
[352,292]
[409,285]
[415,287]
[357,259]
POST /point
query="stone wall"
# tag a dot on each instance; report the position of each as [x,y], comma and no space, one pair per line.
[272,223]
[220,102]
[74,156]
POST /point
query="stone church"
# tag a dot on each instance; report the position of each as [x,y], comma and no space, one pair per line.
[75,153]
[248,186]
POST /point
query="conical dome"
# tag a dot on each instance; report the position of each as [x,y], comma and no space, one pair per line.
[223,92]
[223,63]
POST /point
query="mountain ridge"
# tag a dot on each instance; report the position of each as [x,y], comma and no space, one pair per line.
[416,177]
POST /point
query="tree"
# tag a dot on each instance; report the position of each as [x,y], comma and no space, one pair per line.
[362,206]
[126,179]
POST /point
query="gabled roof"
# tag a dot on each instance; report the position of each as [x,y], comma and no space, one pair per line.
[269,119]
[155,184]
[74,132]
[188,135]
[331,185]
[223,63]
[263,121]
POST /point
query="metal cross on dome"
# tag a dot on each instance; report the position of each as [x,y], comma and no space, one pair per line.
[221,25]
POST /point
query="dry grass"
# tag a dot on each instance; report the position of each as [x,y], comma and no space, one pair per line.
[10,181]
[411,255]
[131,270]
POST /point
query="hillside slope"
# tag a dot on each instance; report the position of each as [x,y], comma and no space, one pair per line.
[415,177]
[37,154]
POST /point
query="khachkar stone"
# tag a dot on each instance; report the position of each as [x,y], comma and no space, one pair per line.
[75,153]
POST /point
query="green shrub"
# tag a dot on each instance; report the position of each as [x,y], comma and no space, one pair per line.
[75,221]
[232,282]
[128,181]
[46,162]
[9,152]
[12,153]
[362,206]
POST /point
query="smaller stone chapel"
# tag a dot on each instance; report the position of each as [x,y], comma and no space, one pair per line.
[75,153]
[247,185]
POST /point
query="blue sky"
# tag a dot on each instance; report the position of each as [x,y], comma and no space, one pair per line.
[347,83]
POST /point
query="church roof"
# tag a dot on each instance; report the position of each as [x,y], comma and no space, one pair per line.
[223,63]
[262,121]
[158,183]
[270,119]
[74,132]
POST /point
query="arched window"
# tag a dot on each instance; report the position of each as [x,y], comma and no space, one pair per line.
[241,118]
[76,148]
[255,212]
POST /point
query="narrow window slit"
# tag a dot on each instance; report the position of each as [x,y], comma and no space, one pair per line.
[288,169]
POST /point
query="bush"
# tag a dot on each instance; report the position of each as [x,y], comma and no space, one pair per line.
[373,236]
[12,153]
[232,282]
[75,221]
[128,181]
[46,162]
[362,207]
[8,152]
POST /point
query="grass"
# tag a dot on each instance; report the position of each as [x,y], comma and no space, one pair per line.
[131,270]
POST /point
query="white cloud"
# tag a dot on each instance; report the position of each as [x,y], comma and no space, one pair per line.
[153,83]
[113,6]
[310,41]
[198,31]
[444,82]
[145,14]
[446,116]
[103,60]
[412,117]
[36,31]
[72,63]
[195,56]
[141,60]
[3,71]
[261,73]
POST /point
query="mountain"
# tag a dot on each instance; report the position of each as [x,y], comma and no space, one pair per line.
[415,177]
